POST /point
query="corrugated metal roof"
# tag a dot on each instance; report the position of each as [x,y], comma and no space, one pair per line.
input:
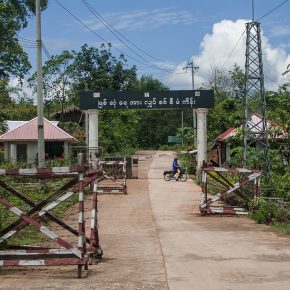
[28,132]
[15,124]
[255,123]
[225,135]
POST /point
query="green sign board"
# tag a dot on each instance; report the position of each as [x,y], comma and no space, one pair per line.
[184,99]
[174,139]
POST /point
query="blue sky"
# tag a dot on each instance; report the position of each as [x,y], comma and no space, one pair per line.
[173,32]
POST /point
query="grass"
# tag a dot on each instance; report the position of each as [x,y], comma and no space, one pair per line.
[283,228]
[35,191]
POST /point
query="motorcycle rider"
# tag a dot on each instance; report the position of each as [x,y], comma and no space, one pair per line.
[176,168]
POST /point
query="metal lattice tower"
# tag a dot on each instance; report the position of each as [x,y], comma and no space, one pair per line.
[255,131]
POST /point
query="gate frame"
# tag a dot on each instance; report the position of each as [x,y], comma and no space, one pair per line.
[122,186]
[205,202]
[38,256]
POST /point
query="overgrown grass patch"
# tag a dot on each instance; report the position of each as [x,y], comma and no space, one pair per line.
[36,191]
[282,227]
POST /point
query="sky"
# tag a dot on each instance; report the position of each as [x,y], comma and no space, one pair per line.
[164,36]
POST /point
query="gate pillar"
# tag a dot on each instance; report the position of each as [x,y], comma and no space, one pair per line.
[201,137]
[93,134]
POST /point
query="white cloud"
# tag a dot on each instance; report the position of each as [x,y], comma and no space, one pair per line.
[23,91]
[224,47]
[280,30]
[143,18]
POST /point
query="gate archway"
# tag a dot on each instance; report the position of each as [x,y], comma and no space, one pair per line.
[200,100]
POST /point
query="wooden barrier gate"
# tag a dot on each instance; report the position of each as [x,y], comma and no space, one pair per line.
[68,254]
[214,179]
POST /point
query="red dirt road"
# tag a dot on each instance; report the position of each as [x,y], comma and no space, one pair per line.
[154,238]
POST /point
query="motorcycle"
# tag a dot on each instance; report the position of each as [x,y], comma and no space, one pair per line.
[170,175]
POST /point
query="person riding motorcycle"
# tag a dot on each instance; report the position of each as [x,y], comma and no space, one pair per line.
[176,168]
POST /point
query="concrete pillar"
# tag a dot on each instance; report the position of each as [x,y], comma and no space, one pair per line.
[66,151]
[201,136]
[93,134]
[13,153]
[6,151]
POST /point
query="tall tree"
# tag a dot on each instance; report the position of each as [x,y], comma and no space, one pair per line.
[14,15]
[56,79]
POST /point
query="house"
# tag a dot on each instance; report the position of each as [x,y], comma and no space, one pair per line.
[20,143]
[220,150]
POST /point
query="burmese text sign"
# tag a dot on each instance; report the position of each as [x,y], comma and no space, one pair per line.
[182,99]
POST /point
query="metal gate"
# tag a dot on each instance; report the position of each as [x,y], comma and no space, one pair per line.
[38,214]
[225,189]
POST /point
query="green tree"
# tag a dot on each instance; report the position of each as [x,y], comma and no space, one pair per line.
[98,70]
[228,110]
[56,80]
[14,15]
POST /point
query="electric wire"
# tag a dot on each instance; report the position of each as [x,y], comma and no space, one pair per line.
[114,31]
[272,10]
[232,51]
[269,12]
[100,37]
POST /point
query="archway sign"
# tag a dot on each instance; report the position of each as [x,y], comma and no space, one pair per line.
[186,99]
[178,99]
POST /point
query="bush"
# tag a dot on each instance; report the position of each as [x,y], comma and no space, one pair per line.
[267,212]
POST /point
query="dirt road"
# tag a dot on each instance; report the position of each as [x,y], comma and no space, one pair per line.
[154,238]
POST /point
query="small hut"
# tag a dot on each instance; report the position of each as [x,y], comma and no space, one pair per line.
[20,144]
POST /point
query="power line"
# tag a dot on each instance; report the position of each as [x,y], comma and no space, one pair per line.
[269,12]
[113,30]
[232,51]
[26,40]
[123,53]
[272,10]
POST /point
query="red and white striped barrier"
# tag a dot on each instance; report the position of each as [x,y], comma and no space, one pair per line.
[121,187]
[232,170]
[42,171]
[51,235]
[225,210]
[42,256]
[206,202]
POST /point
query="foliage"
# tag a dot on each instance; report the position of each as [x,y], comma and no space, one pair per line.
[14,17]
[118,130]
[287,70]
[228,109]
[267,212]
[56,79]
[187,134]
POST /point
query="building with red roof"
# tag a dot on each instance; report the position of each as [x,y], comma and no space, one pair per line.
[20,144]
[220,150]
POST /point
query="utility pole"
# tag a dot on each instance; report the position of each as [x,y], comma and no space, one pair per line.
[40,125]
[193,69]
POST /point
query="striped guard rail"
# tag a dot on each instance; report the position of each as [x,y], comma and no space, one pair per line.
[231,189]
[34,172]
[232,169]
[225,210]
